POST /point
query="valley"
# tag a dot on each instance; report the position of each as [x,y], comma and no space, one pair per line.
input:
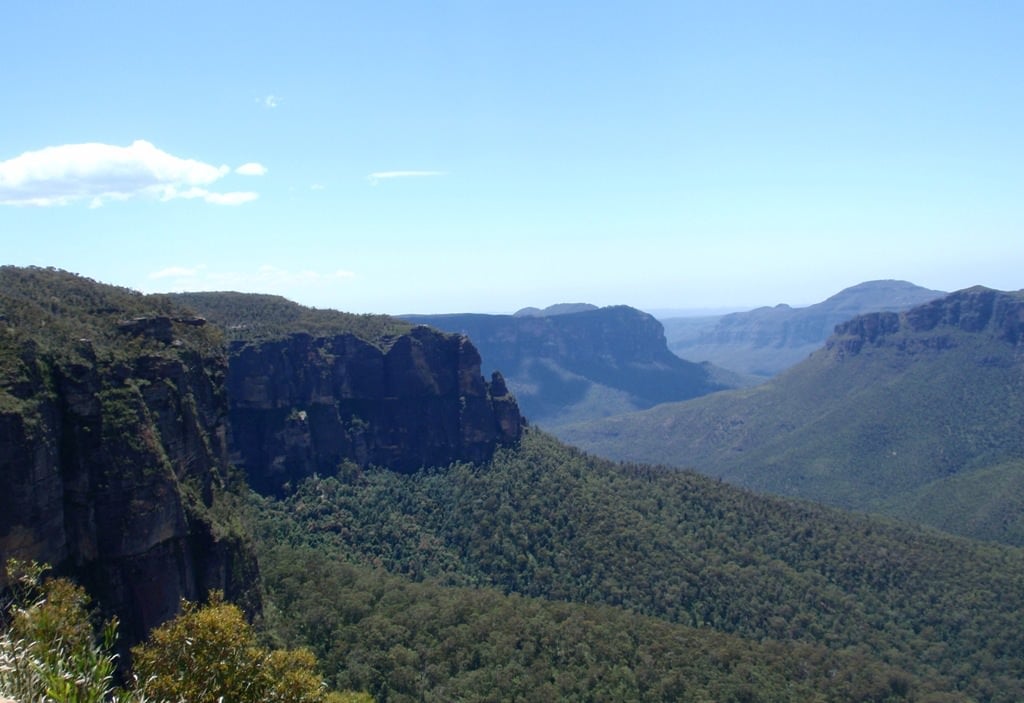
[767,340]
[361,489]
[914,414]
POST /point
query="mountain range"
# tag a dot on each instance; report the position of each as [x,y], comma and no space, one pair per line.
[914,414]
[764,341]
[575,362]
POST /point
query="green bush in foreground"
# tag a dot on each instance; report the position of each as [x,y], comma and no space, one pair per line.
[48,650]
[49,653]
[209,654]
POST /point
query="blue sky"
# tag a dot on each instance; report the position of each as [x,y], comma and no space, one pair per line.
[477,156]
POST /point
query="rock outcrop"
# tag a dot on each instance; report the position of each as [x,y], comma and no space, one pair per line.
[935,325]
[120,414]
[768,340]
[303,405]
[111,462]
[576,365]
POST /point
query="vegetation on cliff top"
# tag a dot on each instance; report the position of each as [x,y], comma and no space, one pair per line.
[251,317]
[67,314]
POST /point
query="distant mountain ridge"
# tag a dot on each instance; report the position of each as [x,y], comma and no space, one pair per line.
[767,340]
[914,414]
[573,366]
[557,309]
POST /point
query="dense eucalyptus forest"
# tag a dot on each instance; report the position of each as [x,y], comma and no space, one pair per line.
[649,568]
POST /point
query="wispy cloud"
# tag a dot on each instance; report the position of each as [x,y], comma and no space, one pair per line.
[378,176]
[251,169]
[271,101]
[61,175]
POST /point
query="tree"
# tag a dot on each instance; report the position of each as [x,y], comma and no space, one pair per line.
[209,654]
[48,649]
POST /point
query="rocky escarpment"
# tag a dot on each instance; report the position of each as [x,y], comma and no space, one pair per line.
[111,467]
[768,340]
[305,404]
[120,413]
[113,452]
[582,365]
[915,414]
[937,324]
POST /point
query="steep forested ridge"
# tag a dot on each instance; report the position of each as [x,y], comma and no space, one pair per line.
[916,414]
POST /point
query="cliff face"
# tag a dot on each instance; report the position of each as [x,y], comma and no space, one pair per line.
[768,340]
[582,365]
[305,404]
[111,464]
[936,325]
[119,414]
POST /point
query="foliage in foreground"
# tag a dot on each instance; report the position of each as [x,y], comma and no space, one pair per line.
[209,654]
[48,649]
[49,653]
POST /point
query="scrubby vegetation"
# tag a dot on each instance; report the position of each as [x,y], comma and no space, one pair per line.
[62,313]
[48,649]
[253,317]
[51,653]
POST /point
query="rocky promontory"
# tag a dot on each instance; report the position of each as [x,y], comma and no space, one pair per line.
[113,452]
[937,324]
[121,415]
[303,405]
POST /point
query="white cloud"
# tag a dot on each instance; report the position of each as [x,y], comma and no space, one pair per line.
[60,175]
[234,198]
[251,169]
[271,101]
[378,176]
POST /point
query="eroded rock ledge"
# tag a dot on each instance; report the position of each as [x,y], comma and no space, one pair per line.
[304,404]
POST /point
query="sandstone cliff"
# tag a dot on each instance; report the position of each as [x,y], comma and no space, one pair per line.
[580,365]
[304,404]
[120,415]
[996,315]
[767,340]
[113,447]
